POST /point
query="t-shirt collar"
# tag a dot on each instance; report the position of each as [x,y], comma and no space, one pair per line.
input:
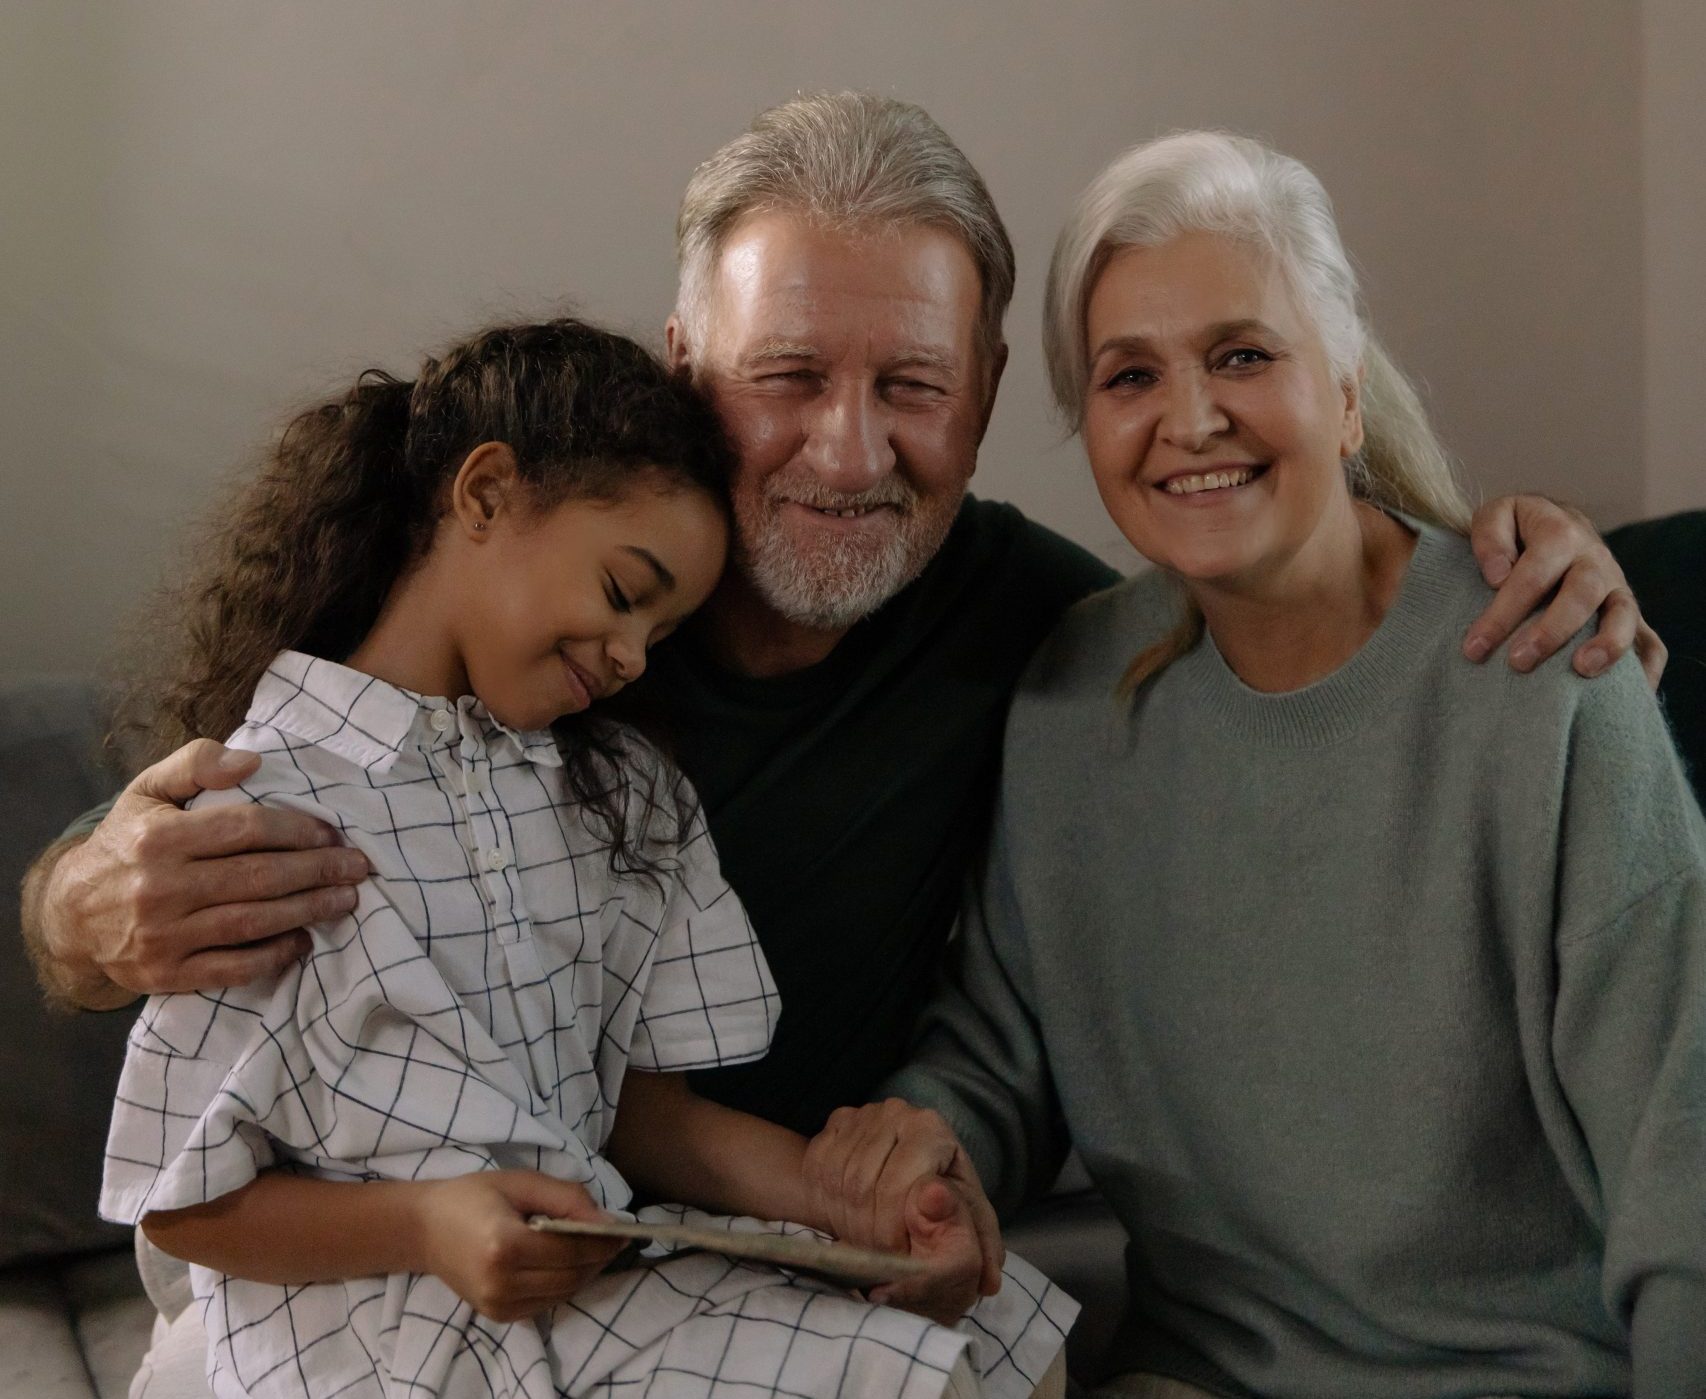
[372,722]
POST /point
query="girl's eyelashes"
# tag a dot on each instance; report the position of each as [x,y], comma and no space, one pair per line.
[618,598]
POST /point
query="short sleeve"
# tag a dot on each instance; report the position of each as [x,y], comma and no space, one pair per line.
[709,999]
[358,1062]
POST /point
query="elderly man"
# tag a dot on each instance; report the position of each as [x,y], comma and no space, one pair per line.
[839,703]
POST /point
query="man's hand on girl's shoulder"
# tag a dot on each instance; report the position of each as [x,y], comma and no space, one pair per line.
[161,899]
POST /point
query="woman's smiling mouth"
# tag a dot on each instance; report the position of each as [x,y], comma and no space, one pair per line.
[1200,482]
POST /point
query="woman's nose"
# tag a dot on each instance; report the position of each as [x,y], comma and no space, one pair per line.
[1190,414]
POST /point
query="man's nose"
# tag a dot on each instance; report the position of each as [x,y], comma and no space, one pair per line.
[1191,415]
[849,448]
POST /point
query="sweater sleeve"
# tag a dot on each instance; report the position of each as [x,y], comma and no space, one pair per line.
[1629,1028]
[979,1058]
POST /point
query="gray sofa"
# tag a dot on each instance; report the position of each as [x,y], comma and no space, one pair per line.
[74,1320]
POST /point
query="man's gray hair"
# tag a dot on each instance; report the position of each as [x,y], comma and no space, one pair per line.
[850,160]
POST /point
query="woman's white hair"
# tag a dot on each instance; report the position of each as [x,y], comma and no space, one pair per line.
[850,160]
[1209,181]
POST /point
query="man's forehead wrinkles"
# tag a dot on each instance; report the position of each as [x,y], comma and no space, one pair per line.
[873,348]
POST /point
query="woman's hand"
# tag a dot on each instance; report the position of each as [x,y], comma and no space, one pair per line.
[867,1171]
[474,1236]
[1530,547]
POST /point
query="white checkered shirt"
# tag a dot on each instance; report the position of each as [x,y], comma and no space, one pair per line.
[479,1009]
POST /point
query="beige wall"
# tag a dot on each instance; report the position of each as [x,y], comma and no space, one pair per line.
[1673,91]
[214,211]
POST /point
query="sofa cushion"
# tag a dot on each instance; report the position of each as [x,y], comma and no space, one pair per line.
[39,1357]
[111,1318]
[1665,562]
[57,1071]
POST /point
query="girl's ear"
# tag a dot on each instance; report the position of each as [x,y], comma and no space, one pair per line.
[487,484]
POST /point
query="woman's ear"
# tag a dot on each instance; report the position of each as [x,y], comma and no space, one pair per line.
[487,484]
[1351,435]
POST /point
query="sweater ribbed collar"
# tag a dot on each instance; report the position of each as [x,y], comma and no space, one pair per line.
[1334,707]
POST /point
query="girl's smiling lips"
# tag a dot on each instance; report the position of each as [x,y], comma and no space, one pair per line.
[584,688]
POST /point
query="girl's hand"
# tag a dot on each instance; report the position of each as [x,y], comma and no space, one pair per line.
[939,1231]
[475,1236]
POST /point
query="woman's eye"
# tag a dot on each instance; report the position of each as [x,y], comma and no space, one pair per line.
[1128,378]
[618,598]
[1243,359]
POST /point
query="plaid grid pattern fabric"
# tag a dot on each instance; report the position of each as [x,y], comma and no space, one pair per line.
[479,1009]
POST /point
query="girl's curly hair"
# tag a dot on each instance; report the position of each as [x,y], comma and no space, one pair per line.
[302,556]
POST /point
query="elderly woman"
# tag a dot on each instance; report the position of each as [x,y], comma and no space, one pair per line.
[1370,984]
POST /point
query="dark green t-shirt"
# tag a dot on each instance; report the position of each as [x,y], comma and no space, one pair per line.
[848,799]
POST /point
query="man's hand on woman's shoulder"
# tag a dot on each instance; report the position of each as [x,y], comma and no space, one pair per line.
[162,899]
[1531,549]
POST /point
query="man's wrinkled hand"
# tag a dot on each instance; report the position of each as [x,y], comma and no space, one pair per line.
[1532,549]
[162,899]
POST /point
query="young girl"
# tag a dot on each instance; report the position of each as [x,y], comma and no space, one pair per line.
[425,578]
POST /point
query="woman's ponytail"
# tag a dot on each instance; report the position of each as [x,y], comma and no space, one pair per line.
[301,557]
[1402,465]
[304,555]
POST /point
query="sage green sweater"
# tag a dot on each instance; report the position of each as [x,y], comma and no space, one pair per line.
[1377,1010]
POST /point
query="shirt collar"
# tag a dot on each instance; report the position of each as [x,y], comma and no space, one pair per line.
[371,722]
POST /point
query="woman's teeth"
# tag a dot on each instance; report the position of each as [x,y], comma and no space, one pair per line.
[1209,481]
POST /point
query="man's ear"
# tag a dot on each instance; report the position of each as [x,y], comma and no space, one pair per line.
[1351,435]
[997,367]
[675,345]
[487,486]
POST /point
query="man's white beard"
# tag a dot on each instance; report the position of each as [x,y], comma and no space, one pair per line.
[827,578]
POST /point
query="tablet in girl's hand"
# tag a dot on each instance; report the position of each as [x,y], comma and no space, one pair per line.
[837,1262]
